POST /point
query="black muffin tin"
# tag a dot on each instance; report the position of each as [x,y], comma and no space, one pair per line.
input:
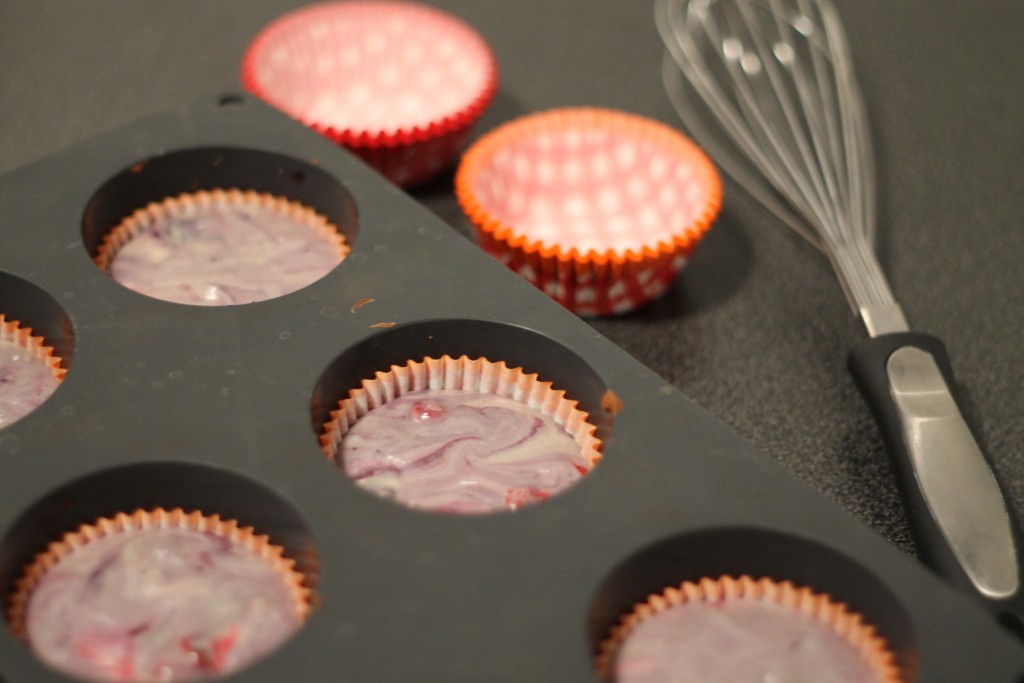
[219,409]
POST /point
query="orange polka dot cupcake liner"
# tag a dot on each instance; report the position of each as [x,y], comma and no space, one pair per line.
[599,209]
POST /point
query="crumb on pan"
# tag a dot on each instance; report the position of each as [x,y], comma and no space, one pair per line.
[362,302]
[611,402]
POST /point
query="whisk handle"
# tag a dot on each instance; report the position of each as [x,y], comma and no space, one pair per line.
[958,513]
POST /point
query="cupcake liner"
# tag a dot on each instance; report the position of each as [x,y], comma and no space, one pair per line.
[157,518]
[142,219]
[479,376]
[116,239]
[466,374]
[597,208]
[873,650]
[27,382]
[12,332]
[399,84]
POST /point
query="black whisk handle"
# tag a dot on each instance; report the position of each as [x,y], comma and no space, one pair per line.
[957,510]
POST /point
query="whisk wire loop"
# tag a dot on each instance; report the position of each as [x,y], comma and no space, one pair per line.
[777,79]
[800,133]
[781,153]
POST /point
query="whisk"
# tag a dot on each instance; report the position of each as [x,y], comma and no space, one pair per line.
[783,116]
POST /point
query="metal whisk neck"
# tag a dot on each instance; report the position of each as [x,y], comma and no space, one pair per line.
[866,287]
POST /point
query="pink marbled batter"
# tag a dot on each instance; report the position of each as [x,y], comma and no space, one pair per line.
[159,605]
[25,382]
[222,254]
[461,451]
[738,641]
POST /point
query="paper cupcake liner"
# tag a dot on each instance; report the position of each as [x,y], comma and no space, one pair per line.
[143,218]
[873,650]
[601,176]
[385,63]
[467,374]
[12,332]
[157,518]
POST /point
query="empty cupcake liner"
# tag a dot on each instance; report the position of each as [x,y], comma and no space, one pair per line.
[400,84]
[872,649]
[158,518]
[477,375]
[599,209]
[195,202]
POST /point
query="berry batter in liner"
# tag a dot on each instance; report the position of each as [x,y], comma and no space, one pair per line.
[460,435]
[29,372]
[222,247]
[158,595]
[730,630]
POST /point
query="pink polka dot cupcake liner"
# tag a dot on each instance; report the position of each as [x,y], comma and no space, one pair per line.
[399,84]
[701,629]
[599,209]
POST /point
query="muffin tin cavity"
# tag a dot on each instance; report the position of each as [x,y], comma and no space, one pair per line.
[471,390]
[757,553]
[516,346]
[216,226]
[203,574]
[147,486]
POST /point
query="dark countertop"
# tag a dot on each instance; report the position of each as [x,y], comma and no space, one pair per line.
[757,329]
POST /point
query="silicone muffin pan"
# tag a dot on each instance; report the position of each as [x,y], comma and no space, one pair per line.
[221,409]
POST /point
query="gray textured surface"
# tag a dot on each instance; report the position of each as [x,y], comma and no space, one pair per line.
[756,330]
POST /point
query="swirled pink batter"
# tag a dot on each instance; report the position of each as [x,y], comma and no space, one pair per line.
[222,254]
[25,382]
[461,451]
[159,605]
[738,641]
